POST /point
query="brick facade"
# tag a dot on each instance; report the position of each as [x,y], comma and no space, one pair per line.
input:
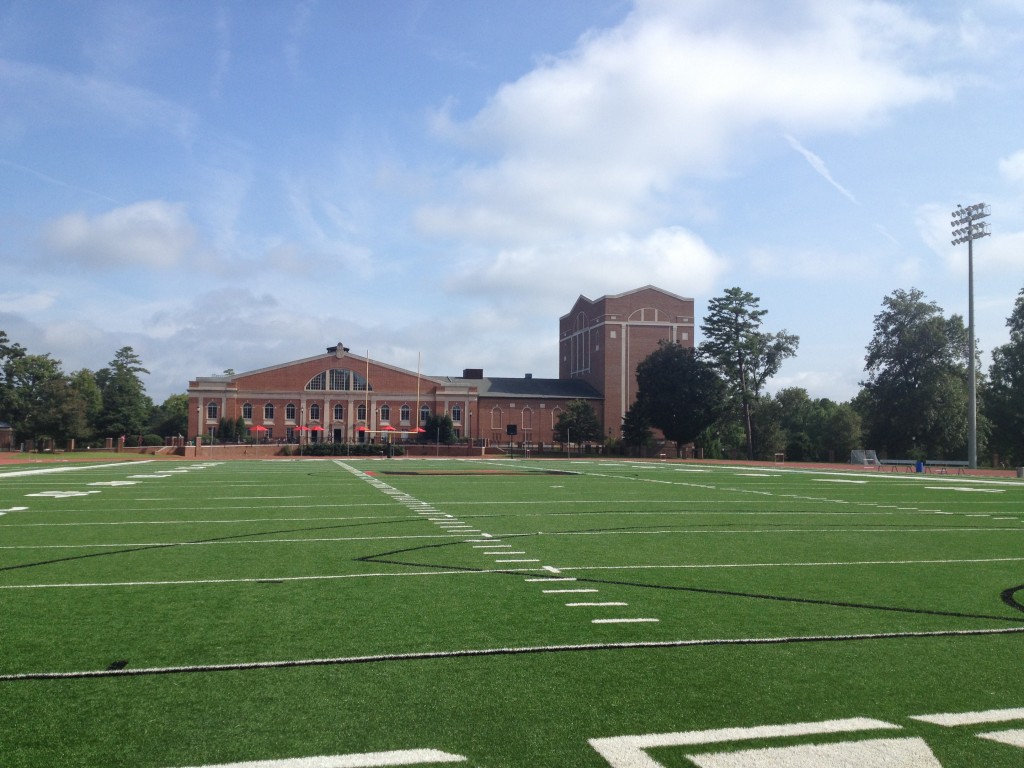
[602,342]
[344,397]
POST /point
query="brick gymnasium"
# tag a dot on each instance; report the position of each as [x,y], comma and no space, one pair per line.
[343,397]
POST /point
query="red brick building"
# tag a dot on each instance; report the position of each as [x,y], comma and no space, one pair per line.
[343,397]
[601,342]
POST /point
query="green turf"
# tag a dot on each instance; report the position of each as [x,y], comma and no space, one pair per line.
[379,596]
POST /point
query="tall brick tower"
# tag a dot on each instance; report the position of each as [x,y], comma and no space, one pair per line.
[602,341]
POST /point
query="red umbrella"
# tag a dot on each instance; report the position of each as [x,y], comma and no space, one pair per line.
[300,429]
[388,428]
[315,428]
[360,429]
[258,428]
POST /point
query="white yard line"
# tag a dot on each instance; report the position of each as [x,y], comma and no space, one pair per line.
[513,650]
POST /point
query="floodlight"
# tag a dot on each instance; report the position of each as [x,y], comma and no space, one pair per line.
[967,229]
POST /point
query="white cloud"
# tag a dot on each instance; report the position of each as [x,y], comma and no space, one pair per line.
[147,234]
[589,140]
[1012,168]
[552,276]
[27,303]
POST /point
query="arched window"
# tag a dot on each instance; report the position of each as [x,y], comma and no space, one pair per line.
[211,410]
[496,418]
[361,412]
[339,412]
[314,412]
[385,412]
[457,414]
[527,418]
[405,413]
[424,414]
[268,411]
[289,411]
[247,411]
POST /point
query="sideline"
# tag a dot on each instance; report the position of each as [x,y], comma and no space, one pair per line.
[73,468]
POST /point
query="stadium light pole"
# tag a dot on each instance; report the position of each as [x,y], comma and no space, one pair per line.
[968,227]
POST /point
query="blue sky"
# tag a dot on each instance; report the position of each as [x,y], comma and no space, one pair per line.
[234,185]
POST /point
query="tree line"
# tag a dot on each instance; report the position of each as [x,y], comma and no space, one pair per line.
[912,403]
[44,404]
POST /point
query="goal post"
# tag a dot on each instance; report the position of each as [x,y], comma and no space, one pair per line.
[864,458]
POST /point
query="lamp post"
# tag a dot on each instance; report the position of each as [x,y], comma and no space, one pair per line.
[968,227]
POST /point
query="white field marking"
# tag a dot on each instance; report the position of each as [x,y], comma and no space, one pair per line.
[964,490]
[564,591]
[51,470]
[551,568]
[310,540]
[115,483]
[14,509]
[463,653]
[517,561]
[486,535]
[61,494]
[756,474]
[508,553]
[977,515]
[491,546]
[624,621]
[1013,738]
[837,480]
[595,605]
[209,522]
[972,718]
[628,751]
[695,531]
[909,752]
[552,579]
[362,760]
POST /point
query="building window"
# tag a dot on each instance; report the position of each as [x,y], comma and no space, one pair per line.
[527,418]
[385,413]
[247,411]
[341,380]
[424,414]
[211,410]
[456,413]
[496,418]
[289,412]
[361,412]
[554,416]
[268,412]
[314,412]
[318,382]
[405,413]
[339,412]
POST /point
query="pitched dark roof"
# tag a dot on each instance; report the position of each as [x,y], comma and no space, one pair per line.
[522,387]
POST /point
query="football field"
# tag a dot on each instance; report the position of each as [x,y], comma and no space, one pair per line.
[338,613]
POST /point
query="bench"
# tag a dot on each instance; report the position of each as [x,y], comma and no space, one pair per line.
[943,467]
[895,464]
[940,467]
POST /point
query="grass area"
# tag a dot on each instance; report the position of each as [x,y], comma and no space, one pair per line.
[506,613]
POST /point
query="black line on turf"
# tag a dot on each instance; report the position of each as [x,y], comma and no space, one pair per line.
[111,553]
[1009,597]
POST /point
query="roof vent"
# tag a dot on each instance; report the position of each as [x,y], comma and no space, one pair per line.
[472,373]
